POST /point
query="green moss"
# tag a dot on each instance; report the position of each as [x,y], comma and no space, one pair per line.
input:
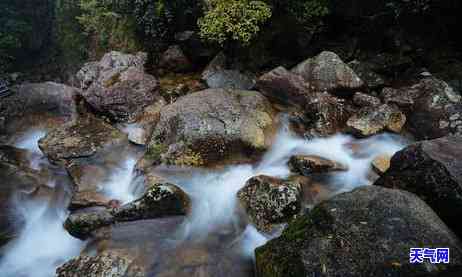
[189,158]
[155,151]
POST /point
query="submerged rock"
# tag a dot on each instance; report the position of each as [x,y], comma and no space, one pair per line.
[327,72]
[308,164]
[433,171]
[338,236]
[269,201]
[372,120]
[209,126]
[159,200]
[118,86]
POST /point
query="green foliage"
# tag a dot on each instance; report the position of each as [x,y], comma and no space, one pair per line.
[110,23]
[307,13]
[158,20]
[14,28]
[233,20]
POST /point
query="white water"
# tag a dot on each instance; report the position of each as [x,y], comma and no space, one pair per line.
[29,142]
[119,186]
[213,193]
[43,244]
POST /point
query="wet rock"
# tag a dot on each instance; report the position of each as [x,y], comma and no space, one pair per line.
[372,120]
[308,164]
[81,139]
[107,264]
[51,99]
[437,111]
[16,176]
[403,98]
[364,70]
[85,148]
[381,164]
[365,100]
[323,115]
[118,86]
[159,200]
[327,72]
[81,224]
[431,170]
[210,125]
[332,239]
[217,75]
[270,201]
[284,87]
[173,59]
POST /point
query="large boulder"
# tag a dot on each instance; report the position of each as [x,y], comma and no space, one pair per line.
[372,120]
[53,101]
[283,86]
[210,125]
[327,72]
[87,149]
[366,232]
[161,199]
[437,111]
[118,87]
[433,171]
[269,201]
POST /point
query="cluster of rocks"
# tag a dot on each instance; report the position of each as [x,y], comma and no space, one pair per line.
[415,201]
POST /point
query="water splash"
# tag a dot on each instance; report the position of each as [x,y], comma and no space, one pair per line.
[120,184]
[29,141]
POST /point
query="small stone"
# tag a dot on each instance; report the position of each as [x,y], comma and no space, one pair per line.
[381,164]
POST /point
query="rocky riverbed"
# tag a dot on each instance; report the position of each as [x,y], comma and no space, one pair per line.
[315,170]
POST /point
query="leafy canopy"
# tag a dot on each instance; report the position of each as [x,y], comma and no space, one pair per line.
[233,20]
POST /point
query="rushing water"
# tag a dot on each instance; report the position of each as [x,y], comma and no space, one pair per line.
[43,244]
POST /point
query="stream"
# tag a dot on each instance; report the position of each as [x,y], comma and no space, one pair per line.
[42,244]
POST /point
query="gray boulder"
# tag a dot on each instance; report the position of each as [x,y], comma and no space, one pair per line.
[433,171]
[269,201]
[366,232]
[118,86]
[211,125]
[327,72]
